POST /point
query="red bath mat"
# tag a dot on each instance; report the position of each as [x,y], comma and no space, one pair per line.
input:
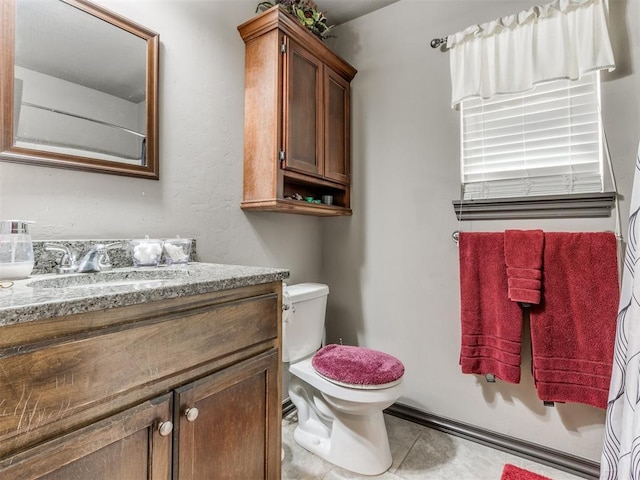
[511,472]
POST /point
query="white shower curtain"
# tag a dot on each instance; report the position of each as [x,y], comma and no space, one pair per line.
[621,451]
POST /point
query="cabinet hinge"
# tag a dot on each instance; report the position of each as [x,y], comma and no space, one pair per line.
[281,156]
[283,47]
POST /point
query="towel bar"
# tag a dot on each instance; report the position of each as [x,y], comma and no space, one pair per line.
[455,236]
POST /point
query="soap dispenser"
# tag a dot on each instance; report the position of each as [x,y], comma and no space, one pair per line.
[16,250]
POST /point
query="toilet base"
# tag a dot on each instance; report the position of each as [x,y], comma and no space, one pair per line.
[358,443]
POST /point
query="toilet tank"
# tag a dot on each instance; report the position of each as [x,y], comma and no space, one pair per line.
[303,321]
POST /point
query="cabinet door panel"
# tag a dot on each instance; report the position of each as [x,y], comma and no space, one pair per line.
[124,459]
[236,434]
[125,446]
[337,127]
[302,115]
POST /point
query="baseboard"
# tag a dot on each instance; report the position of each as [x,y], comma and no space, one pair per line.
[531,451]
[287,407]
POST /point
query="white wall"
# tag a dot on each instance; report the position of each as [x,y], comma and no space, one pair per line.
[392,268]
[201,148]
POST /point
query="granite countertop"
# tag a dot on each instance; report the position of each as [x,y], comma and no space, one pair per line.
[52,295]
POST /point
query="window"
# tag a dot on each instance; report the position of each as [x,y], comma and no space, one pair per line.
[545,141]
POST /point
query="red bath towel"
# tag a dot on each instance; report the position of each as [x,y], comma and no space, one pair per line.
[523,256]
[491,323]
[573,331]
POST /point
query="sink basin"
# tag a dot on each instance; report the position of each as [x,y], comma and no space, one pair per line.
[136,279]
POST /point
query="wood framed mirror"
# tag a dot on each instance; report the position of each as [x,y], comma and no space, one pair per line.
[78,88]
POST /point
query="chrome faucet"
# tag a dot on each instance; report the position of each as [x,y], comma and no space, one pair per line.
[95,259]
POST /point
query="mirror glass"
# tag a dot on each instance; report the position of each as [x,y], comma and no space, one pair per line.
[82,88]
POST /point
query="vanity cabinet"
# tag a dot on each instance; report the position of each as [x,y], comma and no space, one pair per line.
[297,119]
[187,388]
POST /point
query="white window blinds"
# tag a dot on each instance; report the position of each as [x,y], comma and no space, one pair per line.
[544,141]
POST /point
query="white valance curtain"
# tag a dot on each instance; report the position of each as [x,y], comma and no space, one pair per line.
[561,40]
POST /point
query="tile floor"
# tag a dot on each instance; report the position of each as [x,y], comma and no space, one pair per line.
[418,453]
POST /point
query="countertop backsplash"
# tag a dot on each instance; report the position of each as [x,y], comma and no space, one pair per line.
[47,262]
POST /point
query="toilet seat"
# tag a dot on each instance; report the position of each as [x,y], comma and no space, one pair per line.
[356,386]
[357,367]
[305,371]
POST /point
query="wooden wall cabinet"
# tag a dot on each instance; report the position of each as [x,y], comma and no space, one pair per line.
[181,389]
[297,119]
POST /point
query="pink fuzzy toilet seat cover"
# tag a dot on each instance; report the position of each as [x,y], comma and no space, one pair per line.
[357,366]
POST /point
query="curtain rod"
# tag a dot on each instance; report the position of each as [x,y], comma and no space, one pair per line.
[436,42]
[69,114]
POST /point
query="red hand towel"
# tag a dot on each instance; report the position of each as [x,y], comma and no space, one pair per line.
[523,256]
[524,283]
[491,324]
[527,273]
[525,290]
[573,332]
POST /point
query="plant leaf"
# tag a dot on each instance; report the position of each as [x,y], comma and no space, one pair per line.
[264,6]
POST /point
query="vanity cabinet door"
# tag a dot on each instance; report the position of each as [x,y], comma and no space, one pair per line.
[128,445]
[227,424]
[302,110]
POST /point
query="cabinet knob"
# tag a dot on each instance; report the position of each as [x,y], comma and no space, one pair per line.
[165,428]
[191,413]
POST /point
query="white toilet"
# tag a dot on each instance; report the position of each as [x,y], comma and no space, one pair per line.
[338,420]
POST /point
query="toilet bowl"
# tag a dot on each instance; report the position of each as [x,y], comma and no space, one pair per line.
[338,421]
